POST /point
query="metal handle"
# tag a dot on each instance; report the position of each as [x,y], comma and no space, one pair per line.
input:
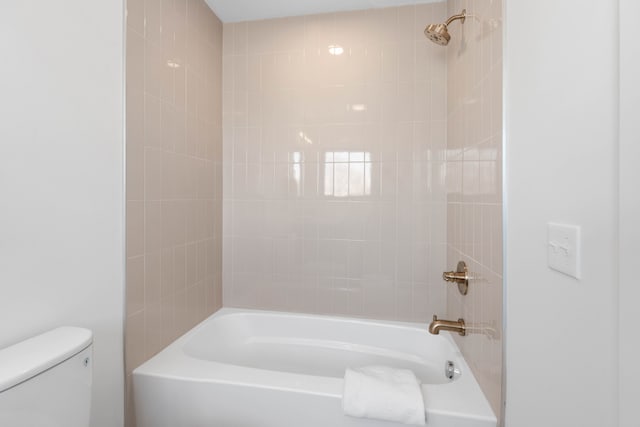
[454,276]
[460,276]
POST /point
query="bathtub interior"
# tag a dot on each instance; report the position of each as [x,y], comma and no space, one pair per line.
[318,346]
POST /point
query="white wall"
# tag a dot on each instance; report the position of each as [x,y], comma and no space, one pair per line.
[561,96]
[61,180]
[629,369]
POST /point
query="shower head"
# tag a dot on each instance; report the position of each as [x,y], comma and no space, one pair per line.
[439,33]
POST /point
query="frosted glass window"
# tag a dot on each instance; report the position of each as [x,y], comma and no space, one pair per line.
[347,174]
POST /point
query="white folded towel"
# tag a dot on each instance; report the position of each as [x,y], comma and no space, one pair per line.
[383,393]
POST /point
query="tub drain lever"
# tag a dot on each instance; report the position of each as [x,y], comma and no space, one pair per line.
[451,371]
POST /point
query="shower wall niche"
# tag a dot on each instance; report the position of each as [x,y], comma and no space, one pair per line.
[334,164]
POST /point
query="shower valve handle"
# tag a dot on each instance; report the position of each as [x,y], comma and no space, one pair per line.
[460,276]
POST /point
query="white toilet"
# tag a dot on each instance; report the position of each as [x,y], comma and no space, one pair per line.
[45,381]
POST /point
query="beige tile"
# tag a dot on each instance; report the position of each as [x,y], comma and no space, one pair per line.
[135,60]
[217,282]
[153,20]
[152,278]
[210,296]
[228,39]
[167,319]
[167,127]
[169,61]
[169,174]
[135,228]
[193,304]
[202,139]
[169,19]
[191,134]
[173,224]
[180,84]
[164,180]
[406,23]
[135,145]
[181,313]
[135,285]
[191,264]
[179,128]
[240,38]
[152,121]
[179,269]
[474,218]
[153,174]
[201,261]
[152,226]
[135,16]
[201,302]
[152,329]
[376,303]
[134,341]
[167,287]
[153,68]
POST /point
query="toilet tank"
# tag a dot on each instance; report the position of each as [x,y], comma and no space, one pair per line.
[45,381]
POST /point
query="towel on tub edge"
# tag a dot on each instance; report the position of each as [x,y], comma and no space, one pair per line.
[383,393]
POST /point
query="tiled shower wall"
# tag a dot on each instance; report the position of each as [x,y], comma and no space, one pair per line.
[174,173]
[334,164]
[474,182]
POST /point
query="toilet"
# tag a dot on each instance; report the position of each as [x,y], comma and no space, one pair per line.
[45,381]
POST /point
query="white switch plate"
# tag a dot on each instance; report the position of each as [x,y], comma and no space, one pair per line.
[563,248]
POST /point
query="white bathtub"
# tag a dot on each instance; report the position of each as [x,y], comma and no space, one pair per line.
[247,368]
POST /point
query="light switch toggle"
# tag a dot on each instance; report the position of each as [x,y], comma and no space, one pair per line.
[559,246]
[563,251]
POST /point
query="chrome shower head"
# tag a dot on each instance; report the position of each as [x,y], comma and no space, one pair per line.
[439,33]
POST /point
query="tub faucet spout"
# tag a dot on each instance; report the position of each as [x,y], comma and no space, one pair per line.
[447,325]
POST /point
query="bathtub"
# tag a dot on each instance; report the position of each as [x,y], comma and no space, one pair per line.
[248,368]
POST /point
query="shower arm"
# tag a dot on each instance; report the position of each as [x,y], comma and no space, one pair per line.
[461,16]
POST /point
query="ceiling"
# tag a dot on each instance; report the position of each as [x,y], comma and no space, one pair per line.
[251,10]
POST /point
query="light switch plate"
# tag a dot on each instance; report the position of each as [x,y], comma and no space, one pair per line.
[563,248]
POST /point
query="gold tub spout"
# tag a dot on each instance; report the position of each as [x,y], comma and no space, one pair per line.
[447,325]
